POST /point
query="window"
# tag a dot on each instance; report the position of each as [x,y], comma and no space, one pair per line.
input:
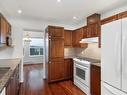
[36,47]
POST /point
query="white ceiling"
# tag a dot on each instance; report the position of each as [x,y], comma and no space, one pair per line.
[51,10]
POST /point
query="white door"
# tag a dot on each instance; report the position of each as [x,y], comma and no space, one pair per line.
[111,53]
[124,54]
[109,90]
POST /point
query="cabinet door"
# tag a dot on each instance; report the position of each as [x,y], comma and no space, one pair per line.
[55,71]
[55,32]
[94,18]
[10,87]
[93,30]
[77,36]
[67,38]
[68,68]
[95,80]
[56,48]
[89,31]
[3,31]
[85,32]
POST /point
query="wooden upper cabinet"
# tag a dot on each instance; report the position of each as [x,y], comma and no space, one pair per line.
[95,18]
[56,49]
[77,35]
[93,25]
[85,35]
[5,28]
[93,30]
[67,38]
[56,32]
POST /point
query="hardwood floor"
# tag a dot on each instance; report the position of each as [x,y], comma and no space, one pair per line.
[35,85]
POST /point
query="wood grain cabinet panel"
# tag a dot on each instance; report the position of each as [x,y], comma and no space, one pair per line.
[56,54]
[55,32]
[55,71]
[3,31]
[85,32]
[95,80]
[67,38]
[12,86]
[5,28]
[56,48]
[68,68]
[92,19]
[77,35]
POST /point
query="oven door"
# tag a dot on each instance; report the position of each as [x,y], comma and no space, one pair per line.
[82,74]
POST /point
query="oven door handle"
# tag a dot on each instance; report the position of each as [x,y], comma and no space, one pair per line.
[83,67]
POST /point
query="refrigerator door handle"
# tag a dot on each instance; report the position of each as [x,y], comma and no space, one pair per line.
[123,56]
[117,54]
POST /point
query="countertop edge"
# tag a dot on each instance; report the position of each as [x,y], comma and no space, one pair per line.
[4,80]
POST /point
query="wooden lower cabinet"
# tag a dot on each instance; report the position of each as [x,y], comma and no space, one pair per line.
[95,80]
[60,70]
[55,71]
[68,69]
[12,86]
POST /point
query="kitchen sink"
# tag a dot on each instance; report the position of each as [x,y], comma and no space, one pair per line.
[3,71]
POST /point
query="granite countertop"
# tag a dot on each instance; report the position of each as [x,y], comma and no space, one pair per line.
[5,63]
[67,57]
[97,64]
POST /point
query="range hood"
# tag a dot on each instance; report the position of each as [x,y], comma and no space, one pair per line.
[89,40]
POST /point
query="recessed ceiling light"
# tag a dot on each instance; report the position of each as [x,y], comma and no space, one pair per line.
[74,17]
[19,11]
[58,1]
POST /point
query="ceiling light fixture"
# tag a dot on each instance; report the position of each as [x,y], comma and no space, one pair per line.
[19,11]
[74,17]
[27,38]
[58,1]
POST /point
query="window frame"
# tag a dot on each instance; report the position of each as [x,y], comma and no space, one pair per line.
[37,47]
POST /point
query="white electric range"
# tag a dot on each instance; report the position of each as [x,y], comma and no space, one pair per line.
[82,73]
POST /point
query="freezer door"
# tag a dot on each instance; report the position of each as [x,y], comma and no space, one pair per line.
[109,90]
[124,54]
[111,53]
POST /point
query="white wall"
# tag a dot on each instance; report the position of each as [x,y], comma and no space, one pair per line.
[114,11]
[17,50]
[34,59]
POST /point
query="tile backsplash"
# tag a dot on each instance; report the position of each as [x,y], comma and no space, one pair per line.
[69,52]
[92,51]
